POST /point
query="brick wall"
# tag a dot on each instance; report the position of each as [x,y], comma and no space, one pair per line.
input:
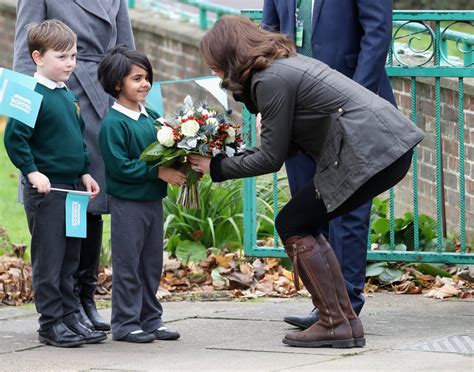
[426,119]
[172,48]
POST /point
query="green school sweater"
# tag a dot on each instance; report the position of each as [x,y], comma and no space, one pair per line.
[55,146]
[122,140]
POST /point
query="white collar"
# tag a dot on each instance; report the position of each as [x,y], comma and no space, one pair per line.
[48,83]
[130,113]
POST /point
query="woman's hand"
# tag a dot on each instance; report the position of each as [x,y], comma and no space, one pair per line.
[91,185]
[201,164]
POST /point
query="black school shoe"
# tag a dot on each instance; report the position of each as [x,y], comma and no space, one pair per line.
[90,336]
[60,336]
[138,337]
[165,334]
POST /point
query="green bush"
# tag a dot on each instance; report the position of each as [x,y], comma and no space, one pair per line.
[404,230]
[218,223]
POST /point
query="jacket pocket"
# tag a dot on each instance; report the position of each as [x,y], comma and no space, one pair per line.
[332,147]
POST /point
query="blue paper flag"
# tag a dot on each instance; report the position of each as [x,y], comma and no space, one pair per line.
[19,102]
[155,99]
[76,220]
[25,80]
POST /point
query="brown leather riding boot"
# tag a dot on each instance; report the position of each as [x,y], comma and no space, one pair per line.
[333,328]
[341,292]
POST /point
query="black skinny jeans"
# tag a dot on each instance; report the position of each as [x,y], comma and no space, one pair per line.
[305,214]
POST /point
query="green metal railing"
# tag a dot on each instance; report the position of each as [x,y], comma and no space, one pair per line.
[435,29]
[437,49]
[207,12]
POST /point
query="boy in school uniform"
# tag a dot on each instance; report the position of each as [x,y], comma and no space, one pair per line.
[53,154]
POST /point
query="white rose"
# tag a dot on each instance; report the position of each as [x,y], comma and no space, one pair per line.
[231,132]
[190,128]
[165,136]
[212,121]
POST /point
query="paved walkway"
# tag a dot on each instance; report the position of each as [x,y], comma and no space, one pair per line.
[404,333]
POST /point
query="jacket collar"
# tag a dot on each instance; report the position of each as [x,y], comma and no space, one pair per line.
[246,96]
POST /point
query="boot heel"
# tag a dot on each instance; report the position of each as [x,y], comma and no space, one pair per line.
[359,342]
[337,344]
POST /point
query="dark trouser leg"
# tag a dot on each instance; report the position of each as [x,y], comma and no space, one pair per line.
[54,256]
[90,255]
[348,237]
[130,228]
[151,266]
[86,276]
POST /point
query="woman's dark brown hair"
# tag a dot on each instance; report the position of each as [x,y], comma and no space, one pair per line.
[238,47]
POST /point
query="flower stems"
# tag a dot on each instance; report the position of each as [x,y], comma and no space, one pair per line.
[189,196]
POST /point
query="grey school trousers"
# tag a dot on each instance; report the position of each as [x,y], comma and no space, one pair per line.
[54,257]
[137,262]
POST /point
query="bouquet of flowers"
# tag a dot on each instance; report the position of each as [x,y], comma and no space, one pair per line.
[193,129]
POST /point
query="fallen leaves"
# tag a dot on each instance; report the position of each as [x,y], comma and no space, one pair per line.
[407,288]
[16,285]
[225,274]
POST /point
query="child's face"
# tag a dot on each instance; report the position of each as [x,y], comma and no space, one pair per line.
[134,87]
[56,66]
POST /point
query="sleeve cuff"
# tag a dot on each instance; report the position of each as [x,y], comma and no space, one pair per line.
[216,168]
[28,169]
[152,173]
[84,171]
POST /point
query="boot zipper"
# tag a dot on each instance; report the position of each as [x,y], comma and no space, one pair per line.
[296,278]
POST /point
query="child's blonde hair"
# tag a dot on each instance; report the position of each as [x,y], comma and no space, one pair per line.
[51,34]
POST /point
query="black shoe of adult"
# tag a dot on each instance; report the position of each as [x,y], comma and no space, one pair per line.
[60,336]
[140,337]
[99,323]
[83,318]
[305,321]
[90,336]
[165,334]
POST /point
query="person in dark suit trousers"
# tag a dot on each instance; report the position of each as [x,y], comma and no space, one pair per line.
[99,25]
[352,37]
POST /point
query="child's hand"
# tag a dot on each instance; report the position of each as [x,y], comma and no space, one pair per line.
[172,176]
[39,181]
[91,185]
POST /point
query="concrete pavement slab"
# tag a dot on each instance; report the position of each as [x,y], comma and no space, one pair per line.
[246,336]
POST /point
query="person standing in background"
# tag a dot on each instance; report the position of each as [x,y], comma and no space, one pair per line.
[352,37]
[99,25]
